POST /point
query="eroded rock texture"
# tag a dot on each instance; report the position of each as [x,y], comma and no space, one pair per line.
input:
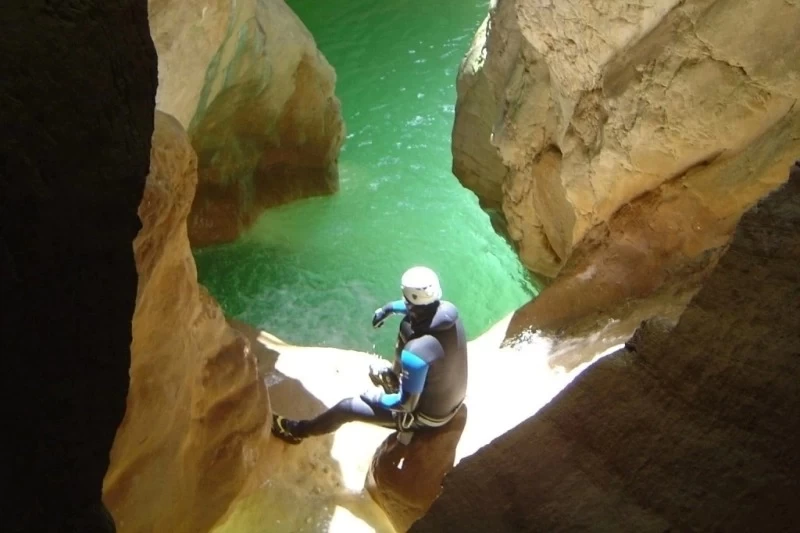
[247,82]
[76,93]
[197,415]
[657,250]
[569,111]
[690,429]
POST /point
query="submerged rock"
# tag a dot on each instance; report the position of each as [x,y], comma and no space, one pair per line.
[646,128]
[257,98]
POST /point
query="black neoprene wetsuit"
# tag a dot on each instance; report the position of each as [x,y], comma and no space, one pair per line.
[431,357]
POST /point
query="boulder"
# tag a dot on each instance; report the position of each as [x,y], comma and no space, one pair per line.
[578,110]
[257,97]
[405,479]
[198,415]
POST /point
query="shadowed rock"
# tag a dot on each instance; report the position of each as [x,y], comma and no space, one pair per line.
[76,104]
[686,429]
[406,479]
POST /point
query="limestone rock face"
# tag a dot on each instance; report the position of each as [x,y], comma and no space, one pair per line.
[247,82]
[661,246]
[198,414]
[77,91]
[405,479]
[688,429]
[568,111]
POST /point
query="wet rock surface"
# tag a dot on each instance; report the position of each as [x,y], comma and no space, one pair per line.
[405,479]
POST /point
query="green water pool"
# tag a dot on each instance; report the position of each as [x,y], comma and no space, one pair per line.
[314,271]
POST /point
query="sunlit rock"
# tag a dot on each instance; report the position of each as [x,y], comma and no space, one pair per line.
[317,485]
[325,483]
[247,82]
[198,416]
[638,131]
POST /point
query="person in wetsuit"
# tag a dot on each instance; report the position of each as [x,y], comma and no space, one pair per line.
[427,383]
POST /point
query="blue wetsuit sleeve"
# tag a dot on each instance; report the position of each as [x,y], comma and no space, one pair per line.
[391,401]
[415,370]
[398,306]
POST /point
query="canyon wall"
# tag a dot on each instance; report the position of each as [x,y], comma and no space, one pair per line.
[198,417]
[248,83]
[691,428]
[648,127]
[77,93]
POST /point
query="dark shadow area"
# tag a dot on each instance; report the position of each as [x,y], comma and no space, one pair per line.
[77,96]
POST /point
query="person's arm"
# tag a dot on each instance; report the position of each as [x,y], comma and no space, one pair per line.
[382,313]
[415,360]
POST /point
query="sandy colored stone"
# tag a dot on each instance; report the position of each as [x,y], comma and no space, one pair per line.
[577,109]
[257,97]
[317,485]
[405,479]
[688,428]
[654,252]
[198,415]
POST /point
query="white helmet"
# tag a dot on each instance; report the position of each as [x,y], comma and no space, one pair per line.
[421,286]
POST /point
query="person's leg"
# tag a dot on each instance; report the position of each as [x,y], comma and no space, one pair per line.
[348,410]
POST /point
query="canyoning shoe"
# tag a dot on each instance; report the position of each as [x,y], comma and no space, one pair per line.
[280,428]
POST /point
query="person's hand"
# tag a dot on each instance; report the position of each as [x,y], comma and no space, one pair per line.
[380,315]
[382,375]
[377,368]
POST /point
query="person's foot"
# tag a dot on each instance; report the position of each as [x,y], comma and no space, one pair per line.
[281,429]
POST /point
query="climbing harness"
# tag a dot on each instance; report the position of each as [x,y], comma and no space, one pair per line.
[408,422]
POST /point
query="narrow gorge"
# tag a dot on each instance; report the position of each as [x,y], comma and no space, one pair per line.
[638,163]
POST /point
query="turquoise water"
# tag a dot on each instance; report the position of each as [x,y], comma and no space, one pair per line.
[314,271]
